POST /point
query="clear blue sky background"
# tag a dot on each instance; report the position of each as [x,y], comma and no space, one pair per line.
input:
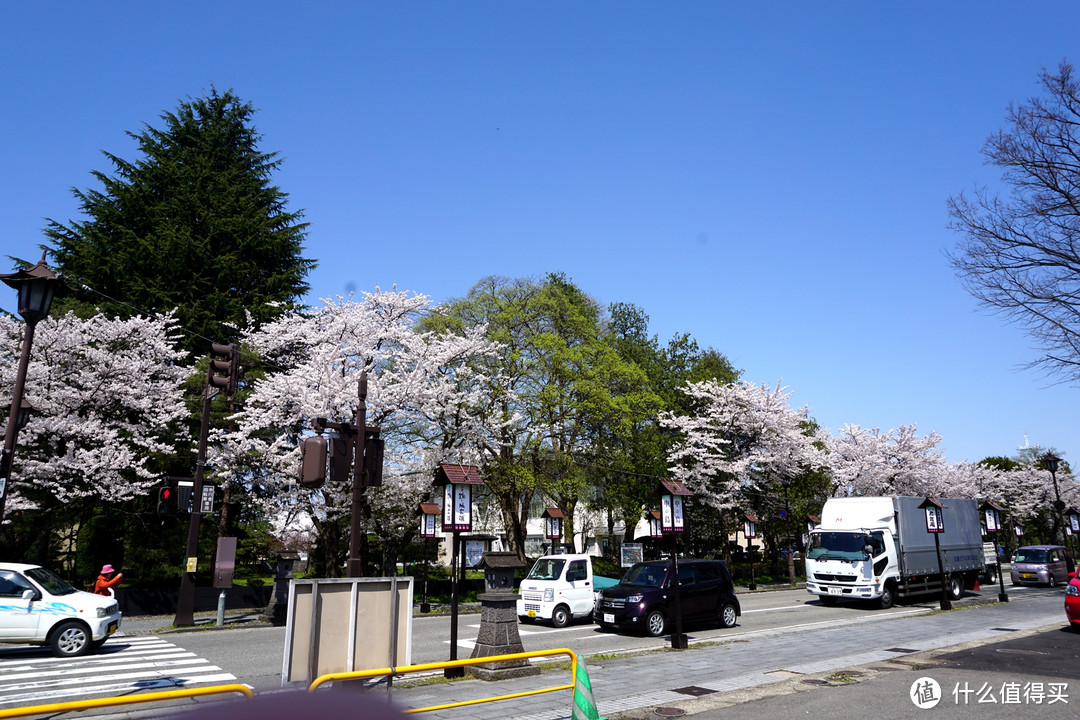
[768,177]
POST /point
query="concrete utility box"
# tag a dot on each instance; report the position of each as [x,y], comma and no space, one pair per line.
[498,620]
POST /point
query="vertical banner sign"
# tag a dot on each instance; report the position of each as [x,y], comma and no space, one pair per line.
[749,529]
[934,522]
[677,513]
[1074,523]
[665,512]
[427,525]
[448,508]
[991,521]
[462,507]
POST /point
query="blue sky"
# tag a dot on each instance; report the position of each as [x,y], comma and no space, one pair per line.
[769,177]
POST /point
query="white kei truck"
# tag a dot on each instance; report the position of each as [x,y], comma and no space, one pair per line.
[559,588]
[879,549]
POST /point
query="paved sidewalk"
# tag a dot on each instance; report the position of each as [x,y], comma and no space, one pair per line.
[743,668]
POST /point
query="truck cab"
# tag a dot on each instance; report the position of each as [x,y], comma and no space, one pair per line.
[559,588]
[853,564]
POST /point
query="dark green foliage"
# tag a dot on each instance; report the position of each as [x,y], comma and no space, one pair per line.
[193,224]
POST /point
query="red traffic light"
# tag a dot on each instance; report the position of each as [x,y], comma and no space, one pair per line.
[165,504]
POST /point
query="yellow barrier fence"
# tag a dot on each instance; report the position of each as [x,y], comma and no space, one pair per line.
[125,700]
[391,671]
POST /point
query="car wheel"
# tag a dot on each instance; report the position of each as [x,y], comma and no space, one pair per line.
[827,600]
[728,616]
[71,639]
[97,643]
[1051,580]
[654,623]
[560,616]
[956,588]
[526,620]
[886,600]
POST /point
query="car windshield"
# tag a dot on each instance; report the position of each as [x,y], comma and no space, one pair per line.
[50,581]
[1031,555]
[837,546]
[546,569]
[645,576]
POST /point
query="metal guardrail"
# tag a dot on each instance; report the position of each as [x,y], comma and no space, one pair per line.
[391,671]
[125,700]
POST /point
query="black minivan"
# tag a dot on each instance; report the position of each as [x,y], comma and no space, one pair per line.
[643,600]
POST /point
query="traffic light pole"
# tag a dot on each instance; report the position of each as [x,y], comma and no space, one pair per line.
[185,606]
[356,557]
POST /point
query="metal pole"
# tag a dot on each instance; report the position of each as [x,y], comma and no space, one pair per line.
[678,639]
[221,608]
[454,672]
[356,561]
[185,606]
[12,430]
[946,604]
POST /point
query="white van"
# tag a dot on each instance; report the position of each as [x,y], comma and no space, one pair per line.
[37,607]
[558,588]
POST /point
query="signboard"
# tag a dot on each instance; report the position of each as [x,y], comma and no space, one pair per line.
[671,513]
[427,525]
[457,507]
[632,553]
[934,521]
[207,504]
[749,529]
[192,564]
[991,521]
[1074,523]
[474,551]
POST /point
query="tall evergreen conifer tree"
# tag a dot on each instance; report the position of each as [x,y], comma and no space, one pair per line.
[195,224]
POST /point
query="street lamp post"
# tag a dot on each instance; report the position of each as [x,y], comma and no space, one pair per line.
[672,521]
[935,525]
[456,482]
[1051,462]
[992,512]
[750,532]
[36,287]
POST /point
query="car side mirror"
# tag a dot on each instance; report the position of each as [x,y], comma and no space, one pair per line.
[30,594]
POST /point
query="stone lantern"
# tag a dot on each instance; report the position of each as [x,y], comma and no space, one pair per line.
[498,620]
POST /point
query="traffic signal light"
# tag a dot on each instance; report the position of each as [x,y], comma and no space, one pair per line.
[166,503]
[313,461]
[224,372]
[373,459]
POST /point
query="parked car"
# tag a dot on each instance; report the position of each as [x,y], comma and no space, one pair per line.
[1039,564]
[643,599]
[37,607]
[1072,601]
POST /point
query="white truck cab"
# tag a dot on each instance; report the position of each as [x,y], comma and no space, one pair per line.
[37,607]
[558,588]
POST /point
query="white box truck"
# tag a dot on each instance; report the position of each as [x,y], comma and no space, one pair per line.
[878,548]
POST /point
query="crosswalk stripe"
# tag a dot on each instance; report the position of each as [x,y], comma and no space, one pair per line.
[55,694]
[123,665]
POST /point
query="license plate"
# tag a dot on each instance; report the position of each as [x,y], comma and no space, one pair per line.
[112,628]
[609,618]
[836,591]
[531,613]
[1027,576]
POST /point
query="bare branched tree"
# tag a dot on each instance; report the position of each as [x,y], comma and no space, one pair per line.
[1020,256]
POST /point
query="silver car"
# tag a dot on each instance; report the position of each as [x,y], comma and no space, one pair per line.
[1039,565]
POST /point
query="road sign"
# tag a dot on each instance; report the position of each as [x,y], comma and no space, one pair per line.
[207,499]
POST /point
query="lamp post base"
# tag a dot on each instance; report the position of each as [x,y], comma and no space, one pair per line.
[679,641]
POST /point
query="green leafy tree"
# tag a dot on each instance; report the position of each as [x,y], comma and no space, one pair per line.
[193,224]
